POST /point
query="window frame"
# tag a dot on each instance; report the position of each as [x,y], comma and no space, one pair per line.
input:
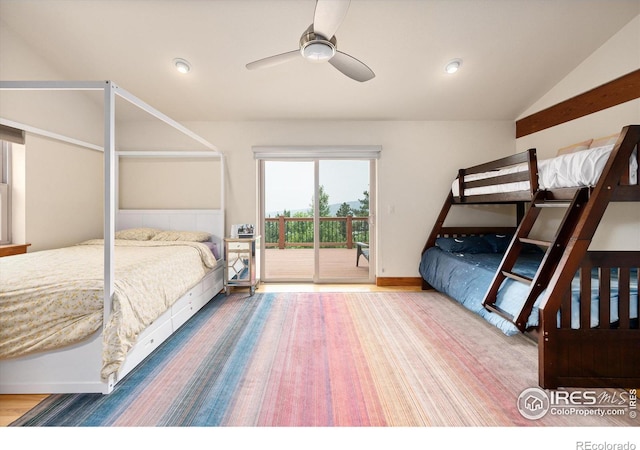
[5,192]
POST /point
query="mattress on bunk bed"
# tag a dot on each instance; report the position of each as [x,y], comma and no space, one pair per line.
[581,168]
[466,277]
[54,298]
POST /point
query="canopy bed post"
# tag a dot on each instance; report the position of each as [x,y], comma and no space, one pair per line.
[223,171]
[109,197]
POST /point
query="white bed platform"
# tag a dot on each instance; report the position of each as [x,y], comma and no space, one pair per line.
[76,368]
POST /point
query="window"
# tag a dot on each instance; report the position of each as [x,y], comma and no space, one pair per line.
[5,193]
[7,136]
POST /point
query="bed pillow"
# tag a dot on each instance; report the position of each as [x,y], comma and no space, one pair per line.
[466,244]
[214,248]
[498,242]
[137,234]
[190,236]
[577,147]
[606,140]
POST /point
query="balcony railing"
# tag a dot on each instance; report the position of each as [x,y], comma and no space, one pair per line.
[297,232]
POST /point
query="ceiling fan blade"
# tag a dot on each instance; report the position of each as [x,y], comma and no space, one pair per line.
[328,16]
[273,60]
[351,67]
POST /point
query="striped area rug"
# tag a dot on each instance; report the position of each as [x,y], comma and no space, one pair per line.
[321,359]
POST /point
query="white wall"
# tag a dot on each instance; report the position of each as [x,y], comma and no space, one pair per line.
[60,184]
[64,193]
[419,161]
[71,113]
[166,183]
[620,55]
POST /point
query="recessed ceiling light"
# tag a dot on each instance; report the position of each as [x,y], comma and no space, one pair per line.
[182,65]
[453,66]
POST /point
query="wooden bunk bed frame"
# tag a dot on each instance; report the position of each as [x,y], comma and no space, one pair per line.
[77,368]
[604,356]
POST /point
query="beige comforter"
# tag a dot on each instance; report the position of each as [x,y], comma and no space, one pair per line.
[53,298]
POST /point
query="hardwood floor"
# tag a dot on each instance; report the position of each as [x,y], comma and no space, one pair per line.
[12,406]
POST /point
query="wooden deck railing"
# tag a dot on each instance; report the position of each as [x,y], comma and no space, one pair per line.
[291,232]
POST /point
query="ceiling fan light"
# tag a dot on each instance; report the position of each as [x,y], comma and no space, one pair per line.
[318,51]
[453,66]
[182,65]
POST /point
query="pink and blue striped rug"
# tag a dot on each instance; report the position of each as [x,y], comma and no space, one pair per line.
[321,359]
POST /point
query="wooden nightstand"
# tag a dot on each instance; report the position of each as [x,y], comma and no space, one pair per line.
[13,249]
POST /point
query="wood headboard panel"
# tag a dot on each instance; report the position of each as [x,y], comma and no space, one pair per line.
[613,93]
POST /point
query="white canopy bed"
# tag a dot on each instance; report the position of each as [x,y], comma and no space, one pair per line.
[81,366]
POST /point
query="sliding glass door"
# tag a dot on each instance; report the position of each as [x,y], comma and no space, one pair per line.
[343,220]
[288,220]
[317,220]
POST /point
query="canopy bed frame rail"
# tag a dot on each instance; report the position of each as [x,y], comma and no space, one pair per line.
[586,367]
[76,368]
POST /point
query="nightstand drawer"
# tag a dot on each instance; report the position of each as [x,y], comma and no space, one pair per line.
[238,246]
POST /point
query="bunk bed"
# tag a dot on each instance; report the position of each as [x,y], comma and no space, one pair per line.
[90,360]
[580,305]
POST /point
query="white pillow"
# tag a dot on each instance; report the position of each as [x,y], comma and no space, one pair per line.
[190,236]
[137,234]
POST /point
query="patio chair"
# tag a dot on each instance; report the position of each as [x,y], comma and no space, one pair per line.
[361,249]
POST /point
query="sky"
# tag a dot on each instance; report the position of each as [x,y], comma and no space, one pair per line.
[289,185]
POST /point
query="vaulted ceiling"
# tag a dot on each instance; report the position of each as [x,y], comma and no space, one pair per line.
[513,52]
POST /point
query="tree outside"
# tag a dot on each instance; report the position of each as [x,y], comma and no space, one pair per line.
[331,231]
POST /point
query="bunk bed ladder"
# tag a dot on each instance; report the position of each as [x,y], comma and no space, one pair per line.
[554,249]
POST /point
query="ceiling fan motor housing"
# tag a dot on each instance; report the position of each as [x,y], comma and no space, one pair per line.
[317,48]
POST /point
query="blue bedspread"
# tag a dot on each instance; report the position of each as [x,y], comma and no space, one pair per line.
[466,279]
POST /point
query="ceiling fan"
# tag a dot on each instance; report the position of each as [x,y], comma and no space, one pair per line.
[318,43]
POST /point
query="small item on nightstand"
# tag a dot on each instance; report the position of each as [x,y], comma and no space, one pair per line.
[242,230]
